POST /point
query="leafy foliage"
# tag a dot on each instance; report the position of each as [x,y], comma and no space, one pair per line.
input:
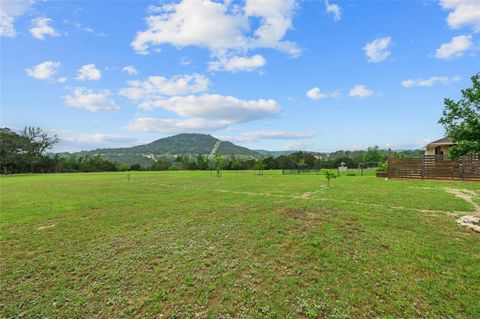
[375,155]
[329,175]
[461,120]
[24,152]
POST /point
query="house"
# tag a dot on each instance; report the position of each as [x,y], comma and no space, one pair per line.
[439,147]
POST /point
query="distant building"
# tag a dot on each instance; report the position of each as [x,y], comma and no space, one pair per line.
[439,147]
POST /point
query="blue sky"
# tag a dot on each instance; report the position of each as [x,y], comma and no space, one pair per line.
[274,75]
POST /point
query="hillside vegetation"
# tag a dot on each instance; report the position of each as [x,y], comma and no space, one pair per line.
[180,144]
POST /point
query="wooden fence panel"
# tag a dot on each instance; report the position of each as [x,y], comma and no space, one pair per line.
[435,167]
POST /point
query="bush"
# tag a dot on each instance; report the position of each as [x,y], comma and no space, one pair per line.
[383,167]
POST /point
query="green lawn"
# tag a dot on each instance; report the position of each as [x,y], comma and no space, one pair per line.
[187,244]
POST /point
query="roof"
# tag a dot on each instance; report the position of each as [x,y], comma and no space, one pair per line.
[442,141]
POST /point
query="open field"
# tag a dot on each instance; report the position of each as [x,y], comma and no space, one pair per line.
[185,244]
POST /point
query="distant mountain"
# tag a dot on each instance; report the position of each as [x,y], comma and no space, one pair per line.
[274,153]
[181,144]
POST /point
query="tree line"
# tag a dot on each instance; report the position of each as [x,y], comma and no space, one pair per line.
[25,152]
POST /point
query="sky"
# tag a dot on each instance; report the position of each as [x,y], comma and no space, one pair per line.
[265,74]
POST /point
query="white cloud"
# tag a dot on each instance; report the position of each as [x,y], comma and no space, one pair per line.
[152,124]
[90,100]
[43,71]
[218,107]
[237,63]
[378,50]
[429,82]
[156,87]
[9,11]
[220,27]
[41,28]
[455,48]
[316,94]
[204,113]
[466,12]
[81,27]
[253,136]
[360,91]
[71,141]
[101,138]
[333,9]
[89,72]
[130,69]
[62,79]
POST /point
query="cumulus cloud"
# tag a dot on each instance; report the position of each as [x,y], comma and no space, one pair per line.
[455,48]
[360,91]
[237,63]
[253,136]
[334,10]
[89,72]
[205,113]
[156,87]
[429,82]
[316,94]
[219,107]
[91,100]
[130,69]
[152,124]
[43,71]
[9,11]
[464,13]
[40,28]
[218,26]
[378,50]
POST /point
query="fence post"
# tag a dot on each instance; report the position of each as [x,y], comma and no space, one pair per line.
[423,167]
[463,167]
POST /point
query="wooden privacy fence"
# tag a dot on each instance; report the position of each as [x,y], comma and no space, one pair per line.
[466,168]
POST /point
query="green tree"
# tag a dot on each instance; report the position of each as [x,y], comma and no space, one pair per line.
[13,150]
[329,175]
[374,155]
[461,120]
[259,166]
[218,164]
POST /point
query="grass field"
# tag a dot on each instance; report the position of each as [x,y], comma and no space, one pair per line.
[186,244]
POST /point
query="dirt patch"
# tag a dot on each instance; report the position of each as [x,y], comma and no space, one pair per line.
[307,195]
[304,218]
[467,195]
[470,221]
[45,227]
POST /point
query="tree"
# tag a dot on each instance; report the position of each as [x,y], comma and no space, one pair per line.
[259,166]
[39,141]
[374,155]
[13,148]
[218,164]
[329,175]
[461,120]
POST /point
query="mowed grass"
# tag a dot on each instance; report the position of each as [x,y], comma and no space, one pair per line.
[188,244]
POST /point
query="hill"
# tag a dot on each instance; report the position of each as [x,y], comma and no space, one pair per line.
[274,153]
[172,146]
